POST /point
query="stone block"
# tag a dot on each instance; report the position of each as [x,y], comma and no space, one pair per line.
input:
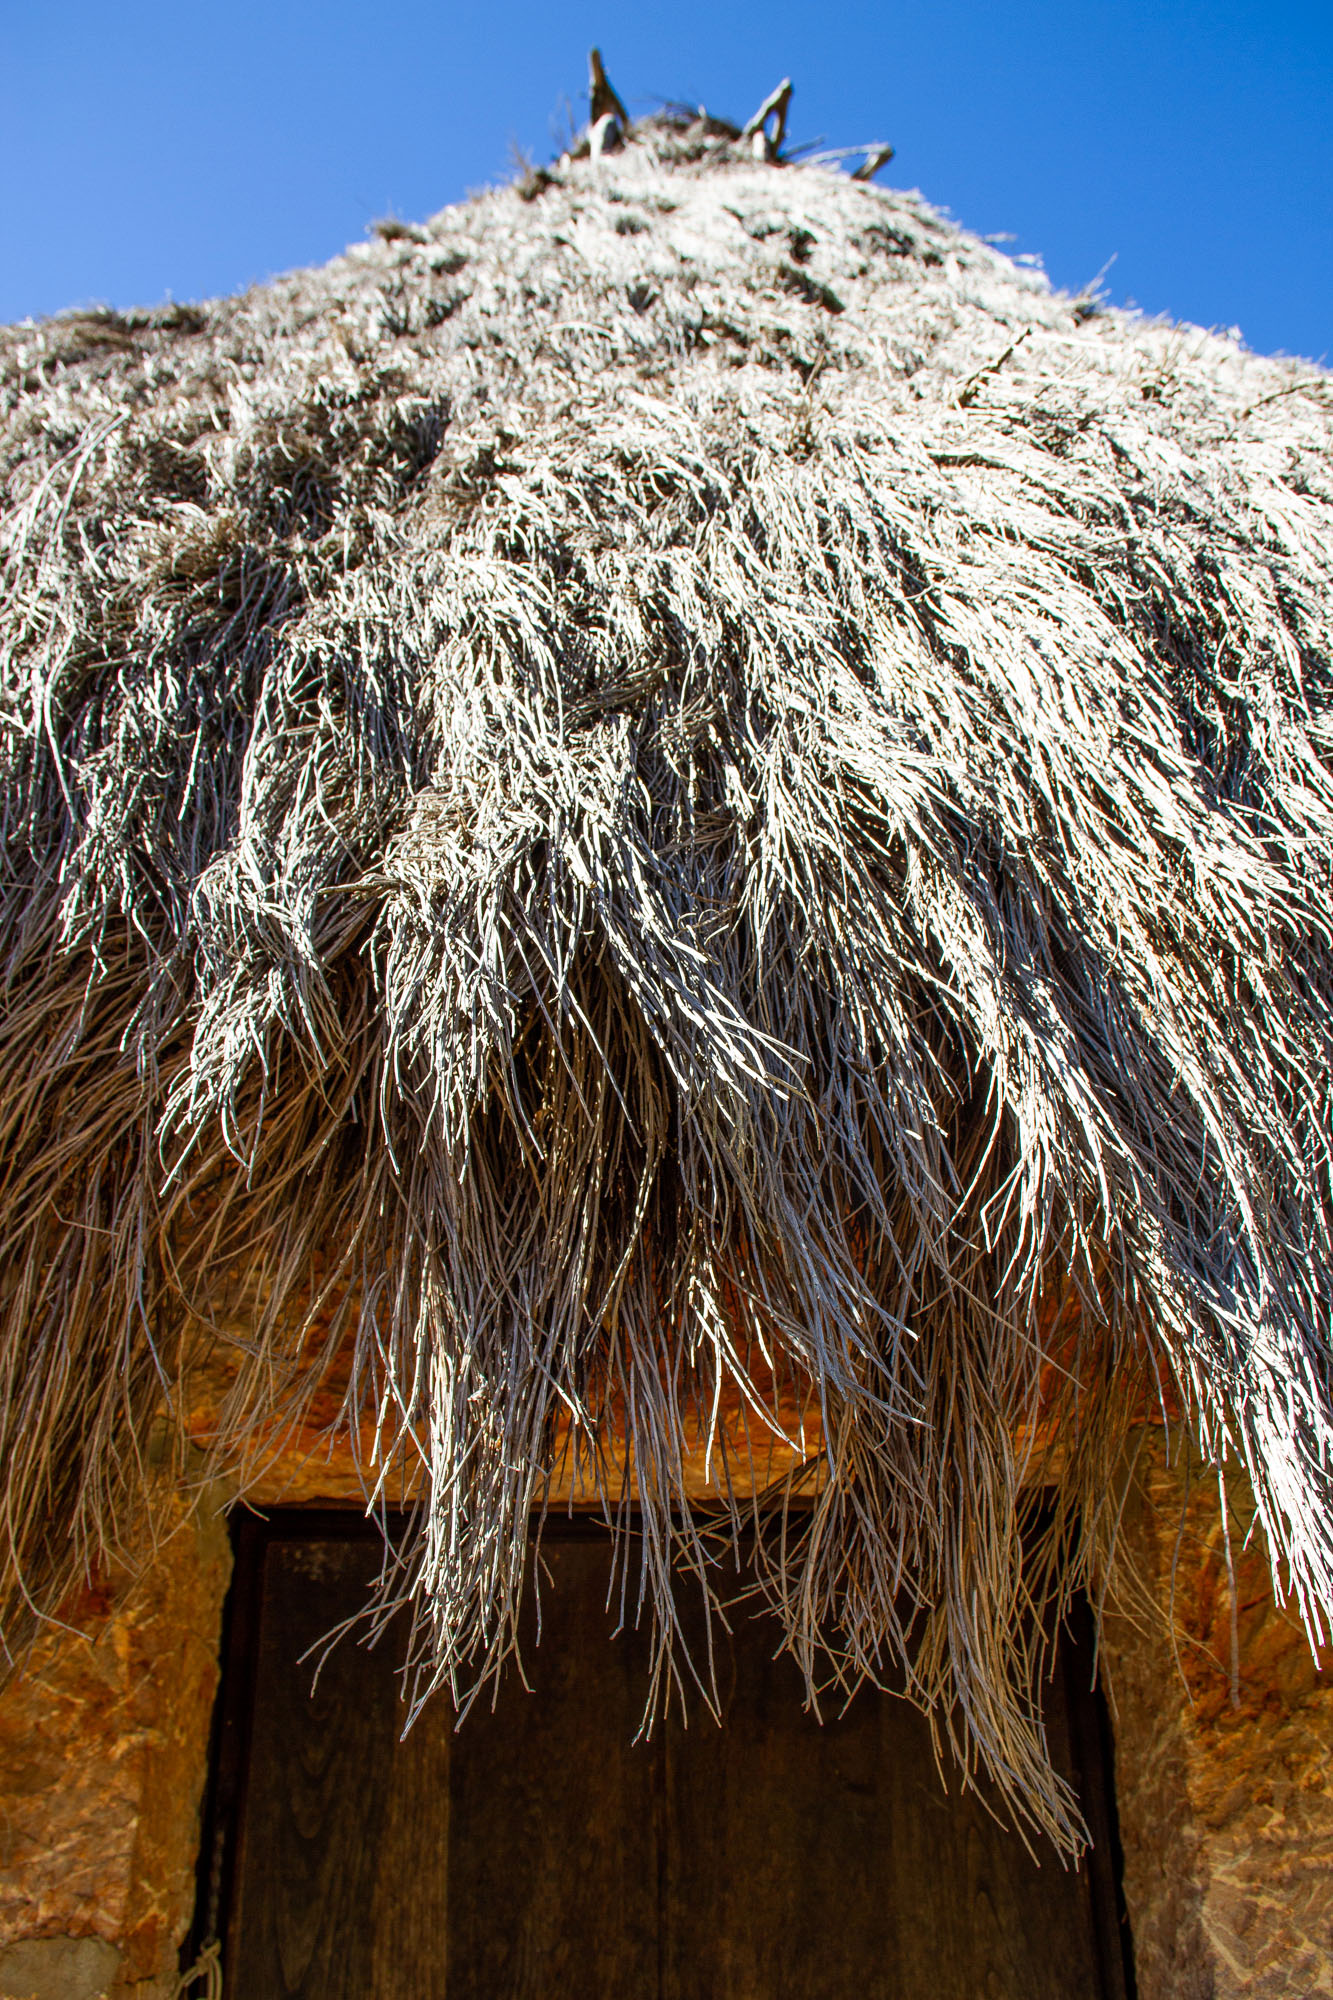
[1224,1752]
[103,1758]
[58,1968]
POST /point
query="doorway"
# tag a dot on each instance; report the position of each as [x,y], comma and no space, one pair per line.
[540,1850]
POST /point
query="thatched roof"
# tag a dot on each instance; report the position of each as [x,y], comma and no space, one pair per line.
[684,779]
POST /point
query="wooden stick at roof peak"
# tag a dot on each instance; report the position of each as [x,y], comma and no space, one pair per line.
[601,95]
[768,145]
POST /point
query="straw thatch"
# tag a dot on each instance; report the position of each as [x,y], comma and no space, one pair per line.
[681,778]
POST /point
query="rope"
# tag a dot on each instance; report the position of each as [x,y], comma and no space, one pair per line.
[208,1967]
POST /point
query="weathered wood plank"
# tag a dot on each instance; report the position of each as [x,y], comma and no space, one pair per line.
[825,1861]
[341,1876]
[553,1839]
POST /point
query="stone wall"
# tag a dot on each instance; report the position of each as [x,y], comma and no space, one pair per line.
[1224,1748]
[103,1756]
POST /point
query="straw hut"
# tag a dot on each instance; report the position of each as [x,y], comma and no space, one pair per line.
[666,902]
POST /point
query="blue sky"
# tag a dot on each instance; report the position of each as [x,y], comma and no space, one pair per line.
[155,149]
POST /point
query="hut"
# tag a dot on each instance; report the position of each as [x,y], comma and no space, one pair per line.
[666,929]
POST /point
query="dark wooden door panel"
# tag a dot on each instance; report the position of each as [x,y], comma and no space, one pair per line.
[826,1862]
[541,1851]
[553,1837]
[341,1878]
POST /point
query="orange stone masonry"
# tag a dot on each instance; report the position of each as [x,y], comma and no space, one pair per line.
[1224,1754]
[103,1756]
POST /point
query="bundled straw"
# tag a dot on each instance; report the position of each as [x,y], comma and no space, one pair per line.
[681,780]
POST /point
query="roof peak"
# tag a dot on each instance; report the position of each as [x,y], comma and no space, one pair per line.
[686,133]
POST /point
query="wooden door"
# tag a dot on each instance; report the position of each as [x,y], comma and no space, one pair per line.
[541,1851]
